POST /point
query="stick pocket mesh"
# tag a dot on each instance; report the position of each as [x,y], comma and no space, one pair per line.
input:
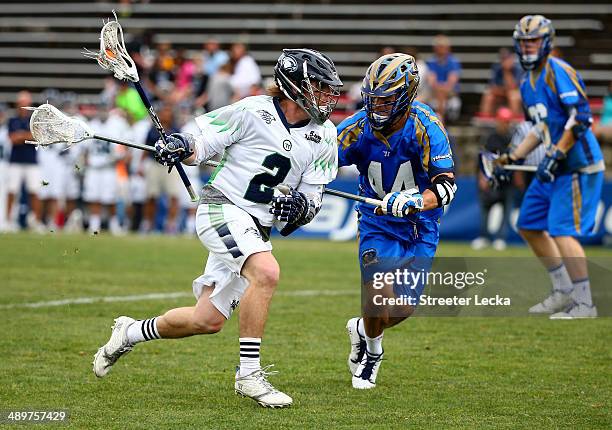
[50,126]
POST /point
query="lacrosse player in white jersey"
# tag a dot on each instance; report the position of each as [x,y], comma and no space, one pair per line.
[100,182]
[283,137]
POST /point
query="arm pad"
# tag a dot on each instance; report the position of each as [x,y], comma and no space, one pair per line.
[578,122]
[444,187]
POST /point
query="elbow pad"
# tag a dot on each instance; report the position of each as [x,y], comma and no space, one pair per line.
[578,123]
[444,188]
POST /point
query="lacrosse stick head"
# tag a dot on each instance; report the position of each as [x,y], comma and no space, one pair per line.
[485,162]
[112,55]
[50,126]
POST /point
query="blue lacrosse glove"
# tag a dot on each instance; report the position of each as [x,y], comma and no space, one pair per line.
[550,164]
[179,146]
[501,176]
[403,203]
[292,207]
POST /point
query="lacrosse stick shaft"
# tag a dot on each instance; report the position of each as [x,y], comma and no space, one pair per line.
[125,143]
[211,163]
[520,168]
[162,133]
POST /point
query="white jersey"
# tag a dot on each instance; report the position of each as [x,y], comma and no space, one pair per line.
[260,151]
[100,153]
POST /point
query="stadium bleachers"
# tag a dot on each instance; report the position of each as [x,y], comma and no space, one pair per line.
[40,42]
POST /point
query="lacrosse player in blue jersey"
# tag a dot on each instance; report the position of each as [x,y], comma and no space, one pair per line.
[403,155]
[561,203]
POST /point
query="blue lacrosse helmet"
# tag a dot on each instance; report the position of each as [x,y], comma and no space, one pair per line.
[533,27]
[388,89]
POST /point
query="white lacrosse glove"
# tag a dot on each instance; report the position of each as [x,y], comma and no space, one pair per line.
[402,203]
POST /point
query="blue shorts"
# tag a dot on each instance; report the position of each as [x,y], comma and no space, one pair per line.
[565,207]
[380,250]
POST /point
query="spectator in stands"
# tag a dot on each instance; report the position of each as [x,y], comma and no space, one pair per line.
[497,141]
[158,181]
[604,128]
[184,72]
[424,91]
[219,90]
[213,57]
[444,70]
[246,71]
[5,149]
[503,87]
[161,76]
[129,100]
[23,167]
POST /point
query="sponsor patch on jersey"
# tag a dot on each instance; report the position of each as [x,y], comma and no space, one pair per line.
[569,94]
[287,145]
[441,157]
[313,136]
[266,116]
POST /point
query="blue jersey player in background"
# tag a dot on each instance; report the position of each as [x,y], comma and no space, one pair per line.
[561,203]
[403,155]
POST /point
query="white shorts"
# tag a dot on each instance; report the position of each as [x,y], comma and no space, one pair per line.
[138,189]
[51,172]
[231,236]
[18,173]
[100,186]
[159,181]
[70,183]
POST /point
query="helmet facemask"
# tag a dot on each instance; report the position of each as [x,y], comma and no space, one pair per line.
[384,111]
[319,99]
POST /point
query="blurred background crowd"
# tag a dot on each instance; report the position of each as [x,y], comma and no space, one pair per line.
[98,186]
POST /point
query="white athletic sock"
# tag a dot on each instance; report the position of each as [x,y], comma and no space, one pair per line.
[360,328]
[143,330]
[94,223]
[582,292]
[374,344]
[560,279]
[249,355]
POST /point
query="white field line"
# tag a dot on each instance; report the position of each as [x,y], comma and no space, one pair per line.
[161,296]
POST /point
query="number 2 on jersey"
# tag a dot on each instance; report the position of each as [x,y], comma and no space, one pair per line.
[260,189]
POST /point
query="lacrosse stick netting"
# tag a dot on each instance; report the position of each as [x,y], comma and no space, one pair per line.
[112,55]
[49,126]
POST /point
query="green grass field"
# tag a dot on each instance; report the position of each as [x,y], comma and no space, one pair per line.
[438,372]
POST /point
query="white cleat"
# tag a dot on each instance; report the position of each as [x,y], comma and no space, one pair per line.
[551,304]
[365,375]
[256,386]
[576,311]
[116,346]
[358,344]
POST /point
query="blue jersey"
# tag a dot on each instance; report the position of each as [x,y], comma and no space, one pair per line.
[23,153]
[407,159]
[548,99]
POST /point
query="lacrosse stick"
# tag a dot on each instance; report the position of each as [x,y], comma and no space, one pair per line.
[114,57]
[50,126]
[487,165]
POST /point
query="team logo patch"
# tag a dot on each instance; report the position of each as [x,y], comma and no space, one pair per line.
[234,304]
[253,231]
[266,116]
[313,136]
[289,64]
[287,145]
[368,257]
